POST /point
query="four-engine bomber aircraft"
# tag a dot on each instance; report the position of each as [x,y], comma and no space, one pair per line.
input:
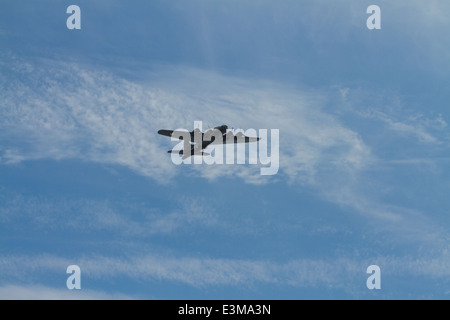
[201,140]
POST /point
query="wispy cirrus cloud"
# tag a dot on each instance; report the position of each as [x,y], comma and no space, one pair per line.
[41,292]
[416,126]
[61,110]
[345,274]
[69,111]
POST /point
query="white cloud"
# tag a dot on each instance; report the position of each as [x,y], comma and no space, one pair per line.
[415,126]
[40,292]
[62,110]
[70,111]
[333,273]
[90,115]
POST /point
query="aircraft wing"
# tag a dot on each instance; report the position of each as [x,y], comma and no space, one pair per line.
[239,138]
[176,134]
[195,150]
[167,133]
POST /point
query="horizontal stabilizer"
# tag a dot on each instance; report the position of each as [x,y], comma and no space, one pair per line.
[185,156]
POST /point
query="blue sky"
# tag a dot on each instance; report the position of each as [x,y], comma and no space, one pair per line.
[364,150]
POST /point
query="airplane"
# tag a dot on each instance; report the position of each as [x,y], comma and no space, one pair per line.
[227,137]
